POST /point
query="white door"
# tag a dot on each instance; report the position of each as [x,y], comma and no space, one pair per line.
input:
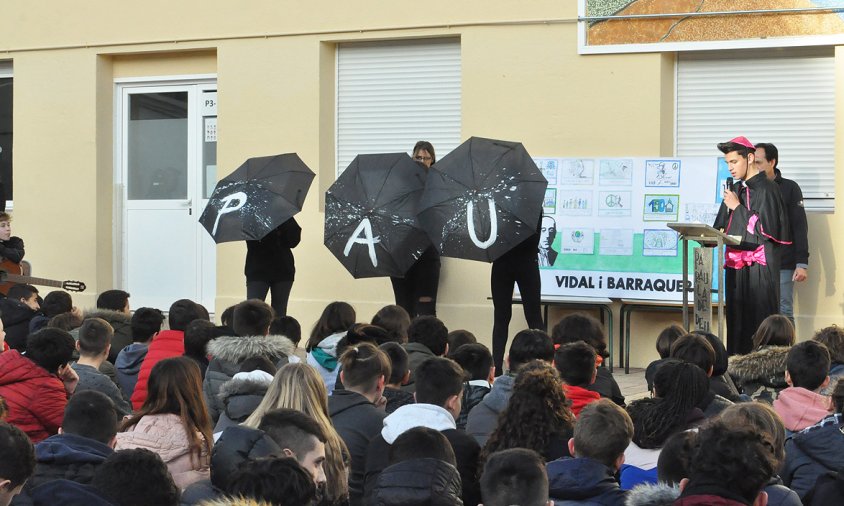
[168,155]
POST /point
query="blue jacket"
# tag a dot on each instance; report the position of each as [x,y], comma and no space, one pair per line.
[68,493]
[812,452]
[128,365]
[583,481]
[67,457]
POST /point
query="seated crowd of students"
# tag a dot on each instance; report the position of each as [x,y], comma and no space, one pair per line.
[116,407]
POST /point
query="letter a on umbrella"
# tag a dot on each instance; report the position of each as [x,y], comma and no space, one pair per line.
[482,199]
[370,215]
[257,197]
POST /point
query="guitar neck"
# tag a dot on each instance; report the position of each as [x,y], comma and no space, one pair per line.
[16,278]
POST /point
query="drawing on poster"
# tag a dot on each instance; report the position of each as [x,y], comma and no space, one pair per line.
[575,202]
[661,207]
[576,171]
[549,203]
[665,173]
[616,172]
[659,243]
[577,241]
[549,167]
[615,241]
[699,212]
[615,203]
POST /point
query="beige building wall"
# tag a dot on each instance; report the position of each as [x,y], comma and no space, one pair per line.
[522,79]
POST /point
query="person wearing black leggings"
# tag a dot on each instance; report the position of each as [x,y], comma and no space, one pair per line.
[270,266]
[416,292]
[519,266]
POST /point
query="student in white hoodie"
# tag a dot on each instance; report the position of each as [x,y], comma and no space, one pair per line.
[439,393]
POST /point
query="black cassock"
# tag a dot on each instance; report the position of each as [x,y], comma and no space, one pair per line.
[752,268]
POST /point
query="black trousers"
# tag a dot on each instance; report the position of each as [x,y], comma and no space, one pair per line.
[280,291]
[505,274]
[422,281]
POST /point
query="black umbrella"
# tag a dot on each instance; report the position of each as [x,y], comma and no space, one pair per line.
[482,199]
[370,215]
[256,198]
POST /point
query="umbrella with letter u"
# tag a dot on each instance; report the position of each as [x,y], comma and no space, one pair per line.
[257,197]
[482,199]
[370,215]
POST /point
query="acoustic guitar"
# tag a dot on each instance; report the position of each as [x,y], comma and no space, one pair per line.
[11,274]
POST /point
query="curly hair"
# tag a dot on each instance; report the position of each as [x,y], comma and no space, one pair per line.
[833,338]
[538,412]
[680,387]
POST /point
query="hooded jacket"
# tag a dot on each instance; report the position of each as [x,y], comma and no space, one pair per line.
[229,352]
[64,456]
[241,396]
[122,325]
[357,421]
[165,435]
[583,481]
[800,408]
[761,373]
[35,397]
[652,494]
[813,452]
[68,493]
[128,365]
[579,397]
[167,344]
[466,449]
[418,482]
[236,446]
[323,358]
[16,316]
[483,418]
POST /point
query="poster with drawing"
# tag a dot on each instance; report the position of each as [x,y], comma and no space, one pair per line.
[605,220]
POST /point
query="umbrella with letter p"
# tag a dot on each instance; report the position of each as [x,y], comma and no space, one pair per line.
[482,199]
[257,197]
[370,215]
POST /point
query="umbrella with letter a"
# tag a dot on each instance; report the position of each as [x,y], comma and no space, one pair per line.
[370,215]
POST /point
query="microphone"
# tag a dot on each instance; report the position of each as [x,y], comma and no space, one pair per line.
[730,184]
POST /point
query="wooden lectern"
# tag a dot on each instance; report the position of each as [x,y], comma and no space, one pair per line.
[707,237]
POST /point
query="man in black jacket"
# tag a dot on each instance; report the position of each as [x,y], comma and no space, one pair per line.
[795,257]
[439,394]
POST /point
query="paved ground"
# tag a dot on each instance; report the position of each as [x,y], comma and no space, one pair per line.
[632,385]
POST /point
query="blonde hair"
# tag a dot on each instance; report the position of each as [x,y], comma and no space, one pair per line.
[299,386]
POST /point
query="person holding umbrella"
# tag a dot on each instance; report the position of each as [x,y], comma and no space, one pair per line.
[270,266]
[256,204]
[519,266]
[416,292]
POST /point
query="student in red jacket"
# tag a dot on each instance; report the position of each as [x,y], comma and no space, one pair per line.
[576,363]
[166,344]
[36,386]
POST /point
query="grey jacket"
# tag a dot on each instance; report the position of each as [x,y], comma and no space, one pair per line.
[92,379]
[229,352]
[483,418]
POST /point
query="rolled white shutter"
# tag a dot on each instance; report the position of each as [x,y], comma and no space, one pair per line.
[785,98]
[392,94]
